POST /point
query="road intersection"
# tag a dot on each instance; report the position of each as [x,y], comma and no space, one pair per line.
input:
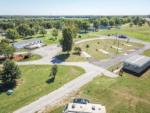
[92,69]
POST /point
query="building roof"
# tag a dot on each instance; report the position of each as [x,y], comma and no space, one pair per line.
[85,108]
[24,42]
[138,60]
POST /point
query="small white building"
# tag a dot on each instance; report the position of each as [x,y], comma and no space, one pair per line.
[28,43]
[84,108]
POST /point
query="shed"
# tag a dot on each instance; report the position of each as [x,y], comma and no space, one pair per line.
[137,64]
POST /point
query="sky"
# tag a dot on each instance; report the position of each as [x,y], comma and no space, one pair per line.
[74,7]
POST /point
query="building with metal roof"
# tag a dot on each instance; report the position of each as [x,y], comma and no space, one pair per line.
[24,43]
[137,64]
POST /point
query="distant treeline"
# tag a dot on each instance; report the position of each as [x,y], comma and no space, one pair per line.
[23,26]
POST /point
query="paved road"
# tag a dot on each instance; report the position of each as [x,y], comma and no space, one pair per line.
[108,63]
[60,94]
[92,70]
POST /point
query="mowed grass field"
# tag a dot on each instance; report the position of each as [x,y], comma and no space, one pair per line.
[142,33]
[95,46]
[33,84]
[107,45]
[147,53]
[126,94]
[32,58]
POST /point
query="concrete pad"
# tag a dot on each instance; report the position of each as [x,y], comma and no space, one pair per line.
[127,45]
[116,48]
[131,50]
[103,51]
[85,54]
[109,74]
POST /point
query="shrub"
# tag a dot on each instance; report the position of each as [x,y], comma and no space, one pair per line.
[77,50]
[87,46]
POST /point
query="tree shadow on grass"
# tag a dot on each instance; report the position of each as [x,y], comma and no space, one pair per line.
[6,87]
[51,80]
[60,58]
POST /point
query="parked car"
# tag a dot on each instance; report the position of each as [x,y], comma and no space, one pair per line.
[122,36]
[81,101]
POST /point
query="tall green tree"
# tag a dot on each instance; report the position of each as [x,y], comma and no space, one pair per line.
[67,40]
[112,22]
[85,25]
[96,24]
[10,72]
[104,21]
[43,31]
[6,49]
[12,34]
[53,72]
[24,30]
[55,32]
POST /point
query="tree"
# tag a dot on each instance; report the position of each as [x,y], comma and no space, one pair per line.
[77,50]
[96,25]
[85,26]
[67,40]
[24,30]
[43,31]
[131,24]
[104,21]
[57,24]
[55,32]
[111,22]
[136,20]
[12,34]
[148,23]
[6,49]
[10,72]
[75,31]
[53,73]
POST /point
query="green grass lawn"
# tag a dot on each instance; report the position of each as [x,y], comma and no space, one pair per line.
[33,85]
[142,33]
[94,47]
[106,45]
[126,94]
[147,53]
[70,57]
[32,58]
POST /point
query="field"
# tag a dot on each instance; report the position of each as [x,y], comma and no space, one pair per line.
[32,58]
[33,84]
[126,94]
[147,53]
[142,33]
[107,46]
[70,57]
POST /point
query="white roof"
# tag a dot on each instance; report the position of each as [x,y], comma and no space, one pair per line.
[138,60]
[85,108]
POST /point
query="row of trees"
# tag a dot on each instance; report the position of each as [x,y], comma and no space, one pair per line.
[22,28]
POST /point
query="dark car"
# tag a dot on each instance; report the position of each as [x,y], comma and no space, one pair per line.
[81,101]
[122,36]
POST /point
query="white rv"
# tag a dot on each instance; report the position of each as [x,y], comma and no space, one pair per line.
[84,108]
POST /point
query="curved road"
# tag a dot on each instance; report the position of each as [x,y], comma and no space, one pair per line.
[92,69]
